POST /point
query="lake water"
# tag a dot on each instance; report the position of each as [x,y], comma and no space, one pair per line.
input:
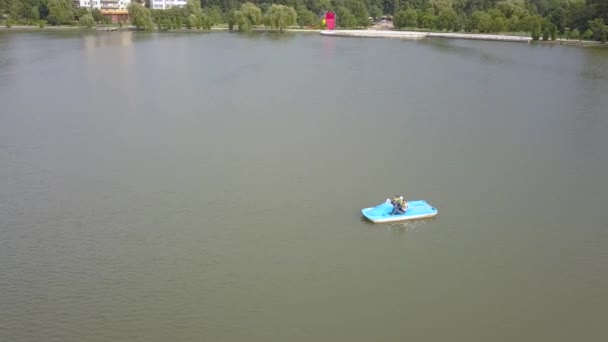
[208,187]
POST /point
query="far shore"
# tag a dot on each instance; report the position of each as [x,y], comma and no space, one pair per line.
[416,35]
[36,27]
[369,33]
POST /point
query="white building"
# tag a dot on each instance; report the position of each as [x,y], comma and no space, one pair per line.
[104,4]
[164,4]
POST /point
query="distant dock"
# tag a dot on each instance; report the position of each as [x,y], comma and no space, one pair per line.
[421,35]
[107,29]
[375,34]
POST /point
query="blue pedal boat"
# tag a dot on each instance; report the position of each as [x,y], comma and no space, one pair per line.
[382,212]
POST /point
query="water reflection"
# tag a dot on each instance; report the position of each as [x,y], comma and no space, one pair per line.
[106,39]
[329,46]
[590,119]
[5,60]
[280,37]
[98,49]
[558,60]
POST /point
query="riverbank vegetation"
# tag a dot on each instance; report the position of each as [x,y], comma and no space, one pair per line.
[51,12]
[546,19]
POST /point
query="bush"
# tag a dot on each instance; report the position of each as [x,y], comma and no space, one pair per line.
[574,34]
[587,34]
[167,24]
[8,23]
[536,31]
[206,21]
[399,20]
[41,23]
[546,34]
[87,20]
[306,17]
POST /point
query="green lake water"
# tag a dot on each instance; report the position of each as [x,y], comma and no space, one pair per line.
[209,187]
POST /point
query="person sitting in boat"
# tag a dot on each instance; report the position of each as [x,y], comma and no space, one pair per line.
[397,200]
[404,205]
[399,205]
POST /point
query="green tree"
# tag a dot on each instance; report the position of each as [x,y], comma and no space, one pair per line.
[60,12]
[190,24]
[79,12]
[87,20]
[193,6]
[462,22]
[598,28]
[206,22]
[481,21]
[405,18]
[140,17]
[410,18]
[531,23]
[318,6]
[574,34]
[97,16]
[559,16]
[553,31]
[375,11]
[247,16]
[546,34]
[399,20]
[447,19]
[194,21]
[345,18]
[34,14]
[231,19]
[306,17]
[499,24]
[535,32]
[587,34]
[166,24]
[215,15]
[359,11]
[427,19]
[280,17]
[513,24]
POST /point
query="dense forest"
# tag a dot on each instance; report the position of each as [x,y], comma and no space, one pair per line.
[546,18]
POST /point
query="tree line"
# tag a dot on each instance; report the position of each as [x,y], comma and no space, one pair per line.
[53,12]
[193,16]
[546,18]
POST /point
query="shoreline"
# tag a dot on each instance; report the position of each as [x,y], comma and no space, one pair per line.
[417,35]
[36,27]
[422,35]
[394,34]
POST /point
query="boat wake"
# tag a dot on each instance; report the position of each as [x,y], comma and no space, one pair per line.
[408,225]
